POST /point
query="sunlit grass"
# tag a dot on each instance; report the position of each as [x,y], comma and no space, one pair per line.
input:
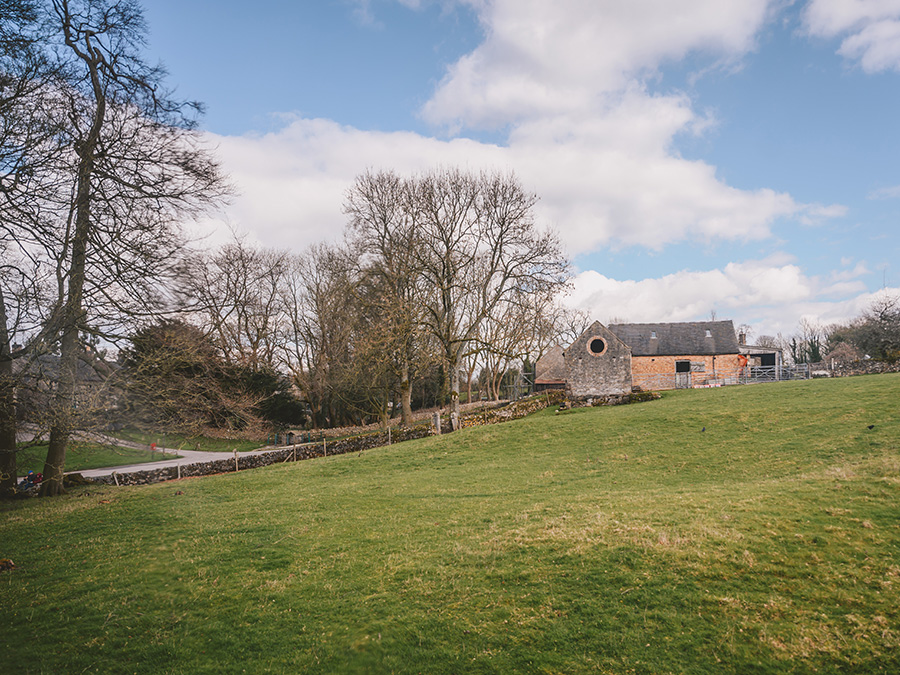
[611,540]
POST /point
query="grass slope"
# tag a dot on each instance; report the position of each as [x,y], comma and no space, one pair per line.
[606,540]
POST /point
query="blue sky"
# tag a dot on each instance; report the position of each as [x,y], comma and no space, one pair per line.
[699,156]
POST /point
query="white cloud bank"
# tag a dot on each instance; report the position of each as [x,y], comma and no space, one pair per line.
[771,295]
[568,80]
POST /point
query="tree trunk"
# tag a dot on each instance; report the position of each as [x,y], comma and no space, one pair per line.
[454,380]
[64,401]
[8,469]
[405,396]
[63,414]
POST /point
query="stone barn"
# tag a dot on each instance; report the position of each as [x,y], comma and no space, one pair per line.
[598,364]
[681,355]
[651,356]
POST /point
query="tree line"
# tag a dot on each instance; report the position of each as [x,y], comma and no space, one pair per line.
[439,276]
[874,334]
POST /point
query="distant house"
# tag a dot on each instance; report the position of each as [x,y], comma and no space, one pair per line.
[38,378]
[616,359]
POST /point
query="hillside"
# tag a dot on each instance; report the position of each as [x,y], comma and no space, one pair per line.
[744,529]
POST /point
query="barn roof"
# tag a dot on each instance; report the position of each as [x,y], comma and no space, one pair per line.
[551,367]
[678,339]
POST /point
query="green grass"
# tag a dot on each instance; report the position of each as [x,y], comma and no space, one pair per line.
[81,456]
[603,540]
[182,442]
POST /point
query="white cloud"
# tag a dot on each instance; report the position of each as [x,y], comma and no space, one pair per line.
[771,295]
[885,193]
[870,30]
[541,58]
[585,133]
[596,185]
[292,182]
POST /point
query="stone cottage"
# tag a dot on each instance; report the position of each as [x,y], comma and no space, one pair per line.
[651,356]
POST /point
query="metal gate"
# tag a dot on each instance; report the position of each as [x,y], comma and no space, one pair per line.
[682,380]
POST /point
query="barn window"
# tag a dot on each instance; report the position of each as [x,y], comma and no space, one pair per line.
[682,366]
[597,346]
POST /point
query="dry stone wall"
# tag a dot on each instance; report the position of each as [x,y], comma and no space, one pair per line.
[297,453]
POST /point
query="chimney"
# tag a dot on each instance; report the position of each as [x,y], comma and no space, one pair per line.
[742,338]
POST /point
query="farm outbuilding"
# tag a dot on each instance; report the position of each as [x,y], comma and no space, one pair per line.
[616,359]
[682,355]
[550,370]
[598,363]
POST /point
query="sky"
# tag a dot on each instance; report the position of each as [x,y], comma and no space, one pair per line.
[698,159]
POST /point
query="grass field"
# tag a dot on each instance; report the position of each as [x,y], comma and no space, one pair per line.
[81,456]
[603,540]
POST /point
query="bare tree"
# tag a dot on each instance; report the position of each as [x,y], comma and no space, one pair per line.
[318,331]
[453,249]
[135,171]
[236,294]
[479,247]
[385,238]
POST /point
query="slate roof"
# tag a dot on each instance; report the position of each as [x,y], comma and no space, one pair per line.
[678,339]
[551,367]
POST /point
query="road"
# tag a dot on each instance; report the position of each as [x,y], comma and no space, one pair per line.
[185,458]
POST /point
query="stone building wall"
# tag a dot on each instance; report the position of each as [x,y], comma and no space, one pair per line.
[598,364]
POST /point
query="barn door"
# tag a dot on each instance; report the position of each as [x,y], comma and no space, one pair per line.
[682,374]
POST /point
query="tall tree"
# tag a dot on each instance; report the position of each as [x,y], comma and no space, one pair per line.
[318,334]
[137,170]
[479,248]
[27,149]
[384,234]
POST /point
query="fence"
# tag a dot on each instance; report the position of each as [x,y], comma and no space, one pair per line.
[776,373]
[751,375]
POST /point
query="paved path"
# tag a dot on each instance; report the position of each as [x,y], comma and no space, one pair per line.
[186,457]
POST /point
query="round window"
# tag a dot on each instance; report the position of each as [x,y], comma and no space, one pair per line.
[597,346]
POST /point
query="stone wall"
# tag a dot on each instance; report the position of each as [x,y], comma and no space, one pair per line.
[342,446]
[865,367]
[286,454]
